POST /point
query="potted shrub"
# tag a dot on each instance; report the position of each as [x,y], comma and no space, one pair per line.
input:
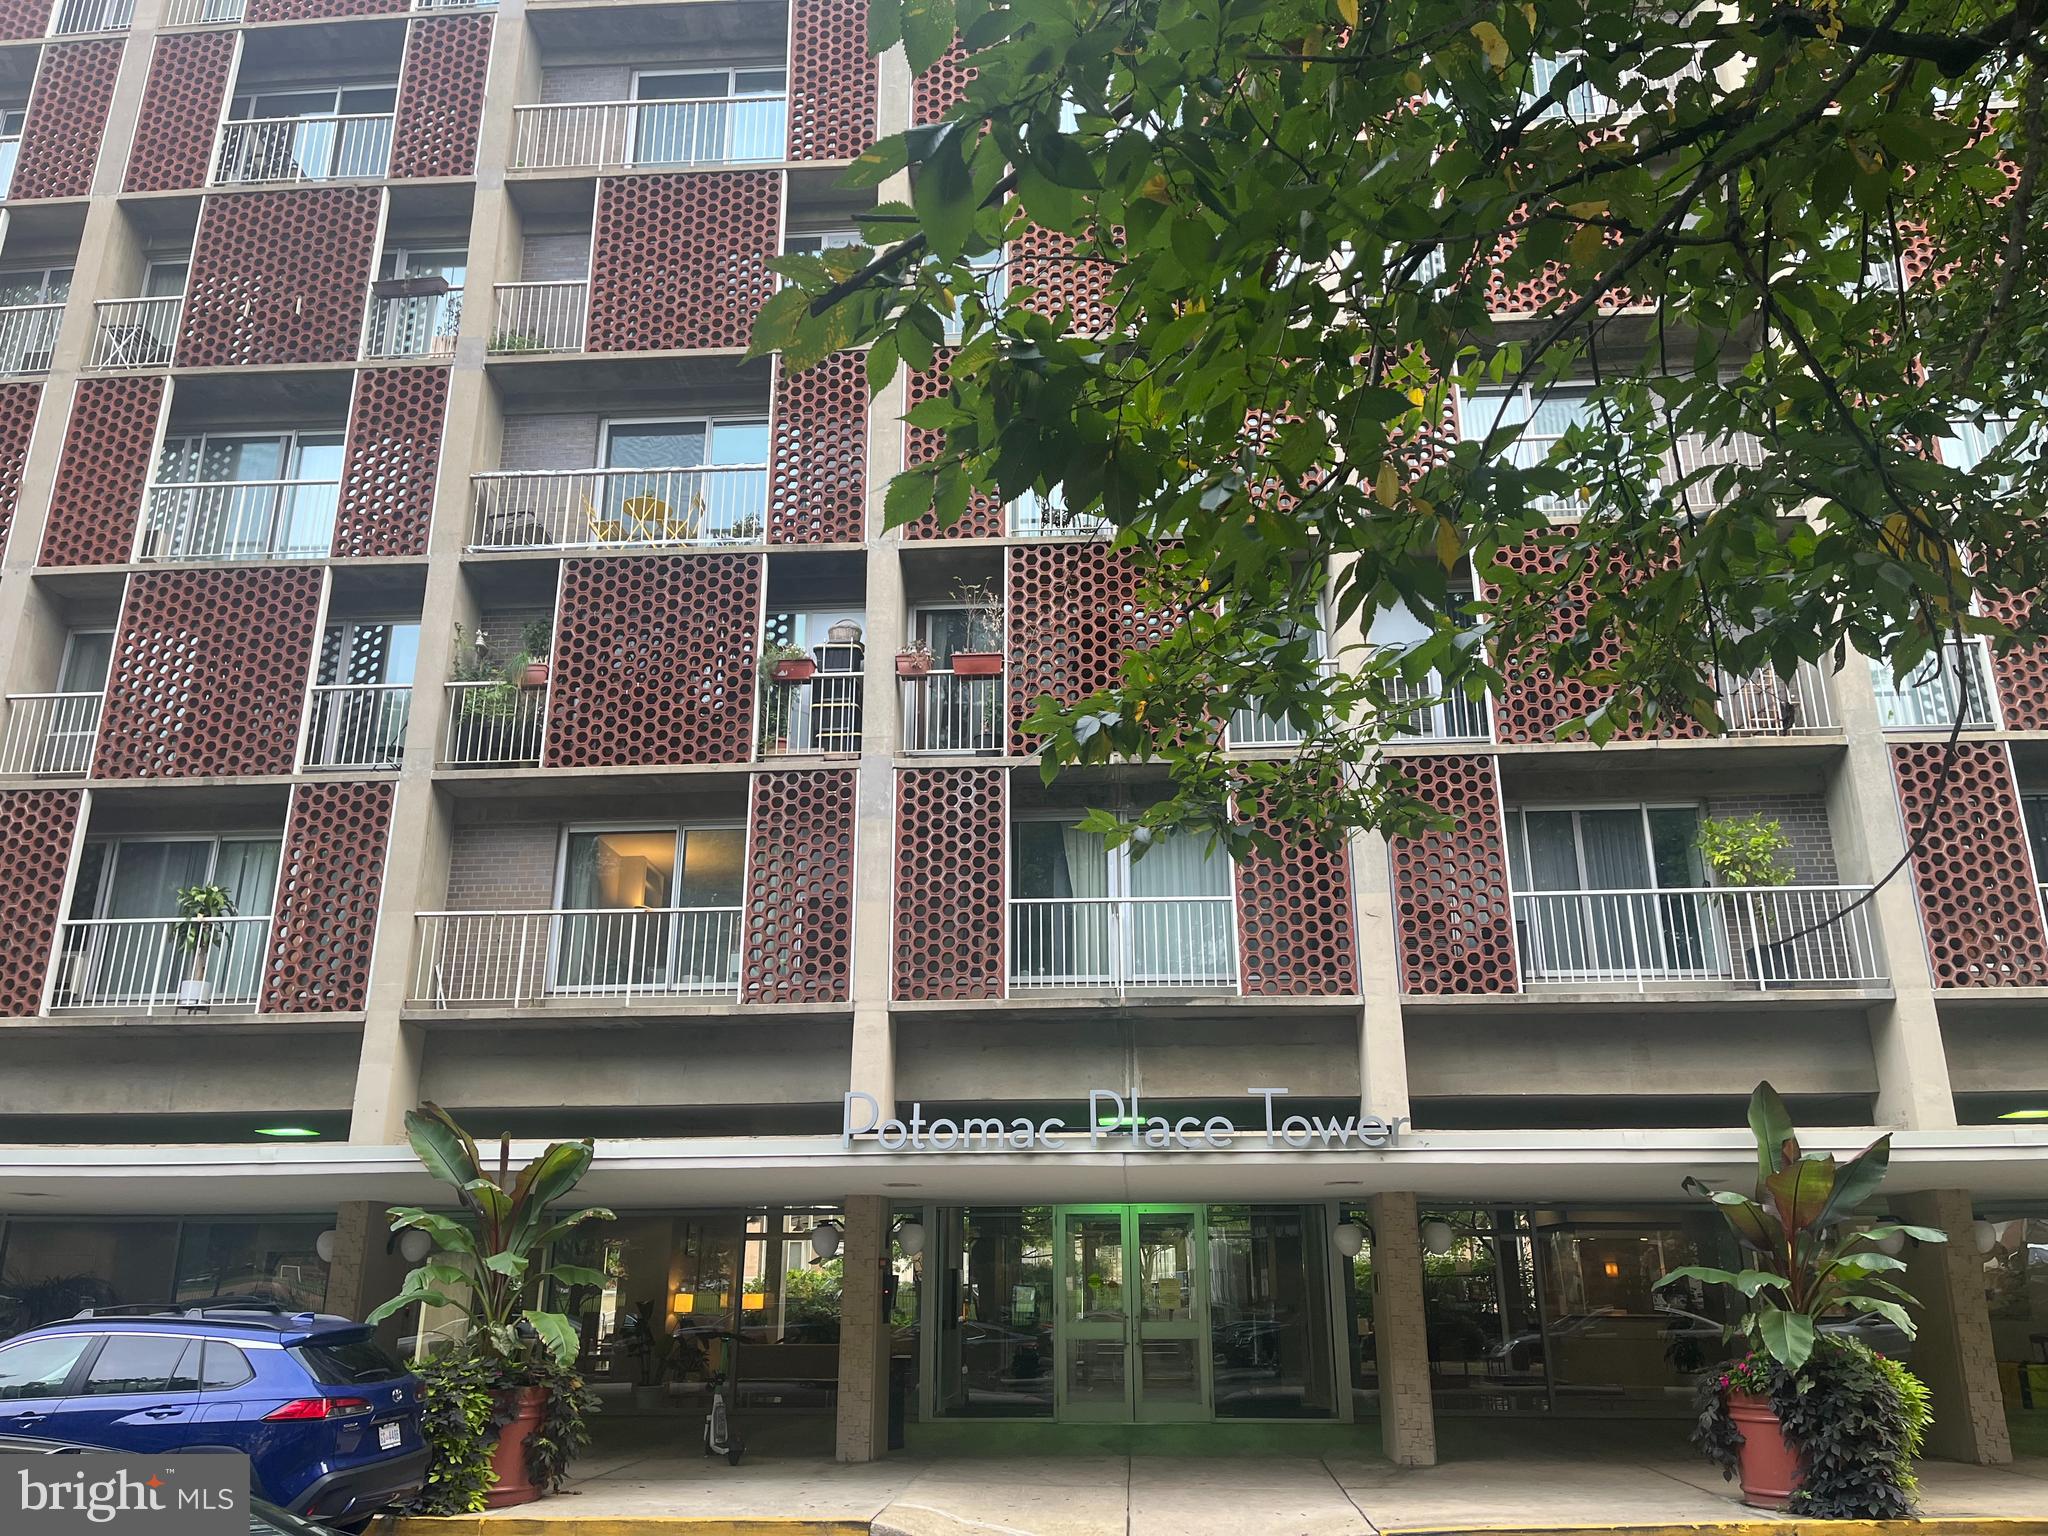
[493,1255]
[789,663]
[914,660]
[201,927]
[535,642]
[1811,1420]
[982,655]
[1750,851]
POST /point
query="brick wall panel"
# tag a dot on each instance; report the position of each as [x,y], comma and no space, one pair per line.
[209,673]
[682,261]
[1045,260]
[948,940]
[831,80]
[67,117]
[313,10]
[654,661]
[37,827]
[799,946]
[393,461]
[818,471]
[1073,616]
[1295,931]
[18,406]
[1978,901]
[2021,673]
[108,445]
[181,105]
[330,879]
[1454,922]
[938,90]
[441,96]
[983,518]
[280,277]
[23,20]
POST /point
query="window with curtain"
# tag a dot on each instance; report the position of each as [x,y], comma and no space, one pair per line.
[141,878]
[1084,914]
[650,907]
[1620,860]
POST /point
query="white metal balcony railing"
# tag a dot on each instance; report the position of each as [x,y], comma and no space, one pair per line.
[1765,704]
[412,325]
[1442,716]
[517,958]
[1123,944]
[944,712]
[28,336]
[632,134]
[135,333]
[91,16]
[1046,517]
[239,520]
[1956,678]
[50,734]
[494,724]
[357,725]
[1757,937]
[337,147]
[538,317]
[203,13]
[596,508]
[154,964]
[820,718]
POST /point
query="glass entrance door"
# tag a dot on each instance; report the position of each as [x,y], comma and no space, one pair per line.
[1133,1326]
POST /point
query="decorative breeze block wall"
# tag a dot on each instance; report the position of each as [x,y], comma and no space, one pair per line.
[938,90]
[1454,921]
[18,405]
[23,20]
[654,661]
[800,887]
[1074,615]
[831,80]
[1978,902]
[1295,931]
[314,10]
[67,116]
[441,96]
[682,261]
[329,882]
[1045,259]
[393,460]
[2021,673]
[109,443]
[983,518]
[37,829]
[209,673]
[280,277]
[818,464]
[951,910]
[181,103]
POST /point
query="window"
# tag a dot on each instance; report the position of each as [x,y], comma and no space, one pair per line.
[308,135]
[810,243]
[120,946]
[277,1258]
[653,908]
[990,274]
[346,101]
[35,285]
[244,497]
[87,655]
[2034,810]
[1968,443]
[135,1362]
[348,1362]
[223,1366]
[1086,915]
[685,481]
[423,316]
[165,279]
[1607,891]
[709,115]
[368,652]
[39,1367]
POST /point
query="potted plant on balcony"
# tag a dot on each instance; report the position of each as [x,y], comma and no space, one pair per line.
[202,910]
[494,696]
[1810,1418]
[982,655]
[914,660]
[493,1254]
[788,663]
[535,642]
[1748,852]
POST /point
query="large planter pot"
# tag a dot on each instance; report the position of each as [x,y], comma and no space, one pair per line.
[527,1406]
[913,663]
[977,663]
[1769,1465]
[795,670]
[534,675]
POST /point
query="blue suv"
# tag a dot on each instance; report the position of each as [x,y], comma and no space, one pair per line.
[330,1422]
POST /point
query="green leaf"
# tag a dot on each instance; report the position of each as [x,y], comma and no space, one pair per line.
[1770,1122]
[1786,1336]
[943,196]
[1919,1234]
[928,30]
[1858,1180]
[556,1332]
[443,1147]
[908,498]
[410,1296]
[511,1265]
[1890,1311]
[579,1274]
[1800,1192]
[1706,1274]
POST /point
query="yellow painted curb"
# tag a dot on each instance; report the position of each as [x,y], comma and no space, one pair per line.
[618,1525]
[1933,1525]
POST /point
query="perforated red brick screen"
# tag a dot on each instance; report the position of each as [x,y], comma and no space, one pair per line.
[983,518]
[818,479]
[1978,900]
[1295,933]
[441,96]
[209,673]
[2022,672]
[23,19]
[37,827]
[311,10]
[105,466]
[1453,916]
[682,261]
[394,458]
[1074,615]
[181,102]
[935,92]
[831,80]
[654,661]
[800,887]
[949,939]
[329,881]
[67,116]
[1045,260]
[18,404]
[280,277]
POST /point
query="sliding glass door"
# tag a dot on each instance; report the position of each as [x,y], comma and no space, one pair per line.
[652,909]
[1613,892]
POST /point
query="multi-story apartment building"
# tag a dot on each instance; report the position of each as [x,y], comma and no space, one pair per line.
[397,538]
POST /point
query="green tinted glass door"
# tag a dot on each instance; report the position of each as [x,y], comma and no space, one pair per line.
[1094,1338]
[1132,1331]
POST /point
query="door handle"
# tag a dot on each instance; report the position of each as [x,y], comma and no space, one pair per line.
[161,1413]
[28,1420]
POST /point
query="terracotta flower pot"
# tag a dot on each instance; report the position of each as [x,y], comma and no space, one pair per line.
[528,1406]
[534,675]
[795,671]
[977,663]
[913,663]
[1768,1463]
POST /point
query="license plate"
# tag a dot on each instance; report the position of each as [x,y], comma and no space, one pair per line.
[387,1437]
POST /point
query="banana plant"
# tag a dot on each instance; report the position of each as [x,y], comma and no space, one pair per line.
[1804,1256]
[495,1249]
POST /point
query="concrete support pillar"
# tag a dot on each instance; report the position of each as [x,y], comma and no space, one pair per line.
[863,1433]
[1399,1332]
[1954,1354]
[1382,1043]
[366,1268]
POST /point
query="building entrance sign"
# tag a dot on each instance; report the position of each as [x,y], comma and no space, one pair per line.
[1114,1123]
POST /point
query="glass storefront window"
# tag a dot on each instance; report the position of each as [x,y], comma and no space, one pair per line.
[1269,1313]
[994,1305]
[273,1259]
[2016,1284]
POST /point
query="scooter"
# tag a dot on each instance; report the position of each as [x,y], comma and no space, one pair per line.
[721,1437]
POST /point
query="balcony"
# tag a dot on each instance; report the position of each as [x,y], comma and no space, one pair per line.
[634,135]
[203,13]
[10,151]
[357,725]
[411,324]
[1750,938]
[1122,944]
[159,964]
[50,735]
[608,508]
[523,959]
[28,336]
[946,712]
[1033,516]
[819,718]
[239,520]
[1956,678]
[335,147]
[538,317]
[1764,704]
[74,16]
[135,333]
[494,725]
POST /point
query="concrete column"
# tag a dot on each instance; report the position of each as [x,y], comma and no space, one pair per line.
[864,1331]
[1399,1332]
[366,1268]
[1382,1041]
[1954,1354]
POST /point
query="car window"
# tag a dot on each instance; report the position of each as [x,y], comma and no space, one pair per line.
[224,1366]
[133,1362]
[345,1362]
[39,1367]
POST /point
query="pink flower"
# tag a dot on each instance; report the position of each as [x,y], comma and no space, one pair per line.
[1724,1382]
